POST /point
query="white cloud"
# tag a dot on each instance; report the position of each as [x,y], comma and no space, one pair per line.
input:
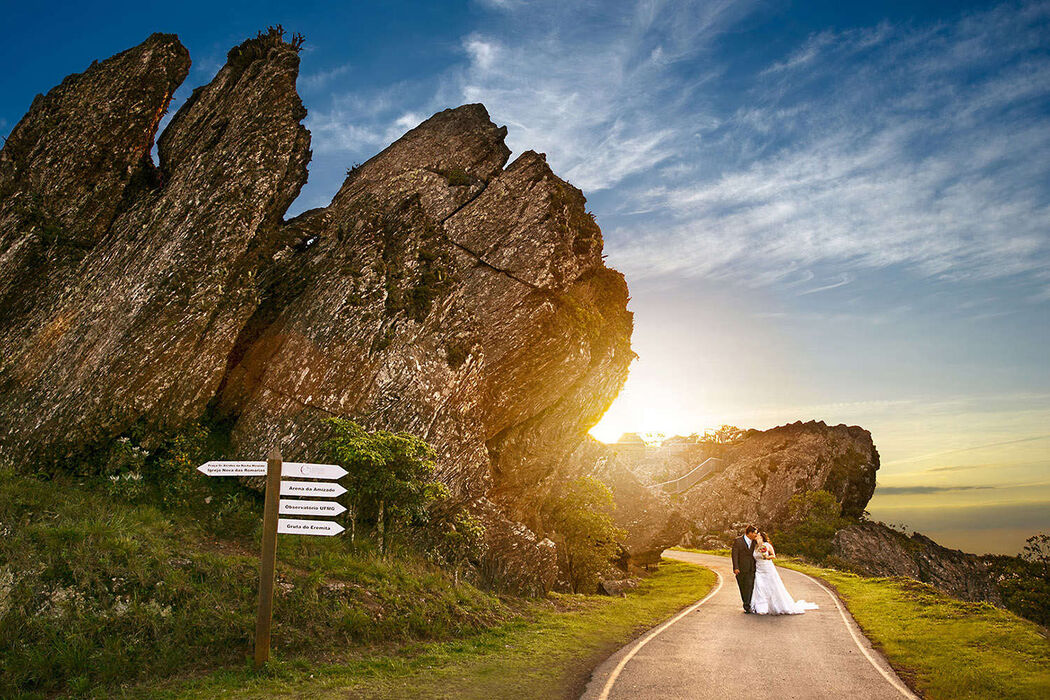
[593,92]
[321,79]
[931,152]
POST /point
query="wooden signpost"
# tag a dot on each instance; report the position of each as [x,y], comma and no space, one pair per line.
[274,468]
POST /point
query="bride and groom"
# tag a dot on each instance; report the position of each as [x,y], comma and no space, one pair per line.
[761,589]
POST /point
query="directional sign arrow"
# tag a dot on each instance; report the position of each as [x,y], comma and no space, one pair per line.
[292,506]
[233,468]
[311,488]
[309,471]
[290,526]
[313,471]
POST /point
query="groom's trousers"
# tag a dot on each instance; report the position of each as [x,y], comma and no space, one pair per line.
[746,581]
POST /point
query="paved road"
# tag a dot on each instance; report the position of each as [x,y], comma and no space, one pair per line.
[714,650]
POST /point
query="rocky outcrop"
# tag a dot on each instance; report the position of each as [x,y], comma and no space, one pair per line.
[441,292]
[650,519]
[126,285]
[873,549]
[765,469]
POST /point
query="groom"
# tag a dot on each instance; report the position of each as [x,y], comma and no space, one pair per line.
[744,564]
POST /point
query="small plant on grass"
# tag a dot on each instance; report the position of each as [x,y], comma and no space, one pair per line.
[581,517]
[458,536]
[1024,581]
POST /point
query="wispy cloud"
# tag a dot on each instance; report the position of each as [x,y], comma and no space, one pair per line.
[927,149]
[918,490]
[972,448]
[843,281]
[363,122]
[923,148]
[594,87]
[323,78]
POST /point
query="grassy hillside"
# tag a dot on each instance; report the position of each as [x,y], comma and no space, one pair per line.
[947,649]
[98,592]
[116,589]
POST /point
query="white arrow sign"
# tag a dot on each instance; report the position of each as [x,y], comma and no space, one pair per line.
[233,468]
[311,488]
[309,471]
[291,506]
[313,471]
[289,526]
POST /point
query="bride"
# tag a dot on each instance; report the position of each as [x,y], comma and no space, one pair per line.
[770,597]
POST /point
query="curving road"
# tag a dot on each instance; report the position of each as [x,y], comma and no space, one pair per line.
[713,650]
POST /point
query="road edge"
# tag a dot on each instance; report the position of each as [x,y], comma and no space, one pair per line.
[627,652]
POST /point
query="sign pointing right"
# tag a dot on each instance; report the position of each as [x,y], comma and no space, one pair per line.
[311,488]
[289,526]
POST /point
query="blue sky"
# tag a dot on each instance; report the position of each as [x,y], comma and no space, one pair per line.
[826,210]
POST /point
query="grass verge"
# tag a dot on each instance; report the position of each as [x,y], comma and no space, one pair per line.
[945,649]
[103,595]
[549,652]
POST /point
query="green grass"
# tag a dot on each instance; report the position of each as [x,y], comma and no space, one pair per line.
[106,594]
[97,592]
[944,648]
[548,652]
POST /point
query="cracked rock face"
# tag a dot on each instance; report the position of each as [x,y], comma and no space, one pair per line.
[442,292]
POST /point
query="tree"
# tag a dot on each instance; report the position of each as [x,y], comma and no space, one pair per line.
[461,538]
[389,473]
[724,435]
[587,538]
[1024,581]
[813,518]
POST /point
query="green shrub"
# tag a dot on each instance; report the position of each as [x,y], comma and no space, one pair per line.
[456,535]
[812,520]
[1024,581]
[587,539]
[390,477]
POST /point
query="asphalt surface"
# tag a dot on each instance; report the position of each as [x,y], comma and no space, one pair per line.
[714,650]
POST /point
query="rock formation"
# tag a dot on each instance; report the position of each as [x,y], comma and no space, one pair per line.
[441,292]
[765,469]
[651,520]
[873,549]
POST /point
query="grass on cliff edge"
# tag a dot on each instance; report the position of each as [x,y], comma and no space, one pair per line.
[944,648]
[548,652]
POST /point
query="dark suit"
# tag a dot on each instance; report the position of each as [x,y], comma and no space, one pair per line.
[744,562]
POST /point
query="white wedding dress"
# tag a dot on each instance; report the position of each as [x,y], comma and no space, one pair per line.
[769,596]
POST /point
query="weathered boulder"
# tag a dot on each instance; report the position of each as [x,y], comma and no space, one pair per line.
[617,587]
[127,297]
[765,469]
[439,293]
[652,522]
[874,549]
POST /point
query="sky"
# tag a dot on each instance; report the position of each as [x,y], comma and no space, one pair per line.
[824,210]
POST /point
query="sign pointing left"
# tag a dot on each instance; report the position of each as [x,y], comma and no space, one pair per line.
[233,468]
[296,469]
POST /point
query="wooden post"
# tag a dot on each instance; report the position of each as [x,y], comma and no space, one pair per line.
[269,558]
